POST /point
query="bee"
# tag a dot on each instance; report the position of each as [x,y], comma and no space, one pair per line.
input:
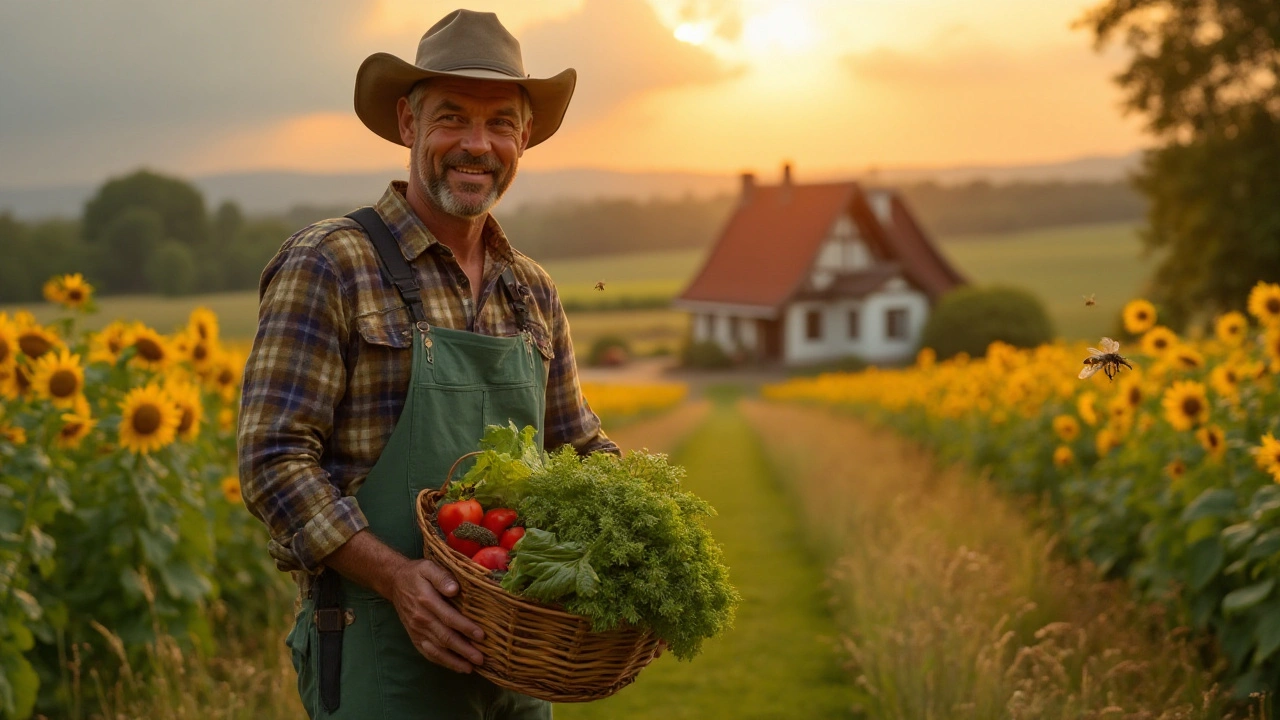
[600,285]
[1088,300]
[1108,360]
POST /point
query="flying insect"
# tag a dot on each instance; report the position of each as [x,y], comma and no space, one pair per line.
[1108,360]
[1088,300]
[600,285]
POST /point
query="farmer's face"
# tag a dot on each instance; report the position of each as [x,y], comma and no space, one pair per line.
[467,137]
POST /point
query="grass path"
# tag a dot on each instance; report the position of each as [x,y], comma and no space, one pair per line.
[777,662]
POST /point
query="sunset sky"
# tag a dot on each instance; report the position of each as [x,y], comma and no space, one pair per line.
[98,87]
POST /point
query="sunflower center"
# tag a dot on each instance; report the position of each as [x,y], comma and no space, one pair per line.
[199,352]
[1213,440]
[33,345]
[63,384]
[1142,315]
[1273,306]
[1191,407]
[70,430]
[75,295]
[1135,396]
[149,349]
[187,418]
[114,344]
[225,377]
[146,419]
[1160,343]
[5,350]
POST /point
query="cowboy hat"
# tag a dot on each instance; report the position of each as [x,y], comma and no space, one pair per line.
[464,44]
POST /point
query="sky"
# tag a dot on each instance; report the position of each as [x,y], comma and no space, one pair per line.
[95,88]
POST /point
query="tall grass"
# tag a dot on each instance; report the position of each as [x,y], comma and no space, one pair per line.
[953,604]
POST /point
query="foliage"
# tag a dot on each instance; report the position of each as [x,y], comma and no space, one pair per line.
[1167,476]
[121,509]
[981,206]
[609,350]
[656,563]
[1203,73]
[704,355]
[969,318]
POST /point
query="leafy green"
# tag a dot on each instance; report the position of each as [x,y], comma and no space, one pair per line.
[544,569]
[657,565]
[498,478]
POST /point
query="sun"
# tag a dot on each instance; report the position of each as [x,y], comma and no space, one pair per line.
[785,28]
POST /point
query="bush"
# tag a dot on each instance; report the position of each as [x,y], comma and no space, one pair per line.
[969,319]
[706,355]
[609,351]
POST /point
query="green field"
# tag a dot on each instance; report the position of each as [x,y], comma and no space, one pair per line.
[1060,265]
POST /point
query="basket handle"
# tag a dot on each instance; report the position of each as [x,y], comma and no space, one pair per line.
[448,478]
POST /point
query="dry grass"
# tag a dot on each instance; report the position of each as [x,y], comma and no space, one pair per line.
[953,605]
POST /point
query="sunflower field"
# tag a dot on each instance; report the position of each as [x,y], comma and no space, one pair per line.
[120,513]
[1167,475]
[612,401]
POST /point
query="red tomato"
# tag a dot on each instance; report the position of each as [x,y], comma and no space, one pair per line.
[494,558]
[510,537]
[466,547]
[455,513]
[498,519]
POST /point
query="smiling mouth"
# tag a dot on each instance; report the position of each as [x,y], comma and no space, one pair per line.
[470,171]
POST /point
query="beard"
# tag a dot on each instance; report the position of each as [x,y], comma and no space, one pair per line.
[438,190]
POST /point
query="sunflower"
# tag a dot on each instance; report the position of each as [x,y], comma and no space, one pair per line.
[75,425]
[1271,343]
[75,291]
[231,489]
[148,420]
[52,291]
[14,434]
[201,352]
[1062,456]
[1185,405]
[1264,303]
[226,419]
[1213,440]
[154,351]
[1187,357]
[1139,316]
[105,346]
[203,323]
[1131,391]
[186,397]
[1267,456]
[8,342]
[35,340]
[1067,427]
[1105,441]
[9,382]
[1175,469]
[1158,340]
[225,377]
[59,377]
[1225,380]
[1085,408]
[1230,328]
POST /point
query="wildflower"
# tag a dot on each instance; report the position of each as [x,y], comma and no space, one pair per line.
[76,425]
[149,420]
[1267,456]
[1185,405]
[58,377]
[1230,328]
[1264,303]
[1213,440]
[1139,316]
[1067,427]
[1158,340]
[231,489]
[1062,456]
[1085,408]
[154,351]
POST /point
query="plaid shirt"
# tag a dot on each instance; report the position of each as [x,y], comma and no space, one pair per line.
[330,366]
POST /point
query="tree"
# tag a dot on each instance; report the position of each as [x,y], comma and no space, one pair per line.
[125,245]
[179,205]
[1206,74]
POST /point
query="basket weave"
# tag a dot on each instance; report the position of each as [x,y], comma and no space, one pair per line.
[529,647]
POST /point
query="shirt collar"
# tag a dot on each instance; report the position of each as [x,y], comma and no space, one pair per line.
[415,238]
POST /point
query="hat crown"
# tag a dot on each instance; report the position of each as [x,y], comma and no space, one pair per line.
[469,40]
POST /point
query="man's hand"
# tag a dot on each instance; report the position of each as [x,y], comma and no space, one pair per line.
[438,631]
[417,589]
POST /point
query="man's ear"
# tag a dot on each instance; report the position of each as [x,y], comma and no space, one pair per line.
[525,135]
[408,126]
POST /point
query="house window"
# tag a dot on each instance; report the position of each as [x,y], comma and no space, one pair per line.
[895,323]
[813,325]
[853,324]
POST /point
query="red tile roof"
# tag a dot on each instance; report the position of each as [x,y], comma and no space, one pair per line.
[767,247]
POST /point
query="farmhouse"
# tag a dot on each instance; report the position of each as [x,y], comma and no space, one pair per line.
[810,273]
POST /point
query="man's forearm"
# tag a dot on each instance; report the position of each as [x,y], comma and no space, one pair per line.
[368,561]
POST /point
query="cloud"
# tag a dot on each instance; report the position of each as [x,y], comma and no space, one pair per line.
[620,50]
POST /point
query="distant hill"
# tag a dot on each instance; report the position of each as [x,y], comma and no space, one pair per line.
[262,193]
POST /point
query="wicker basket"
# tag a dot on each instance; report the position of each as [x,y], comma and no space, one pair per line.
[529,647]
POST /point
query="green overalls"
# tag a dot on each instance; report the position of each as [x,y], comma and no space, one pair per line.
[461,382]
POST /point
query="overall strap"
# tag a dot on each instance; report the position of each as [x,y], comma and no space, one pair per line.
[509,288]
[394,266]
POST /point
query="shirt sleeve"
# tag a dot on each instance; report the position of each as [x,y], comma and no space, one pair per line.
[294,378]
[570,419]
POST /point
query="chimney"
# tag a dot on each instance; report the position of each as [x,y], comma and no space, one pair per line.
[748,187]
[784,191]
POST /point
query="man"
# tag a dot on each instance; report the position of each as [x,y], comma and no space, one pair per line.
[376,366]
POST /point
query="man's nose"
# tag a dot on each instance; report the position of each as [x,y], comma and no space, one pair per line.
[476,141]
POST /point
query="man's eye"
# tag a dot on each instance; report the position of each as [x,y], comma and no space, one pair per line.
[504,123]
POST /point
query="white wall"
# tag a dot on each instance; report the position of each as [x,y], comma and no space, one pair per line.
[871,344]
[843,251]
